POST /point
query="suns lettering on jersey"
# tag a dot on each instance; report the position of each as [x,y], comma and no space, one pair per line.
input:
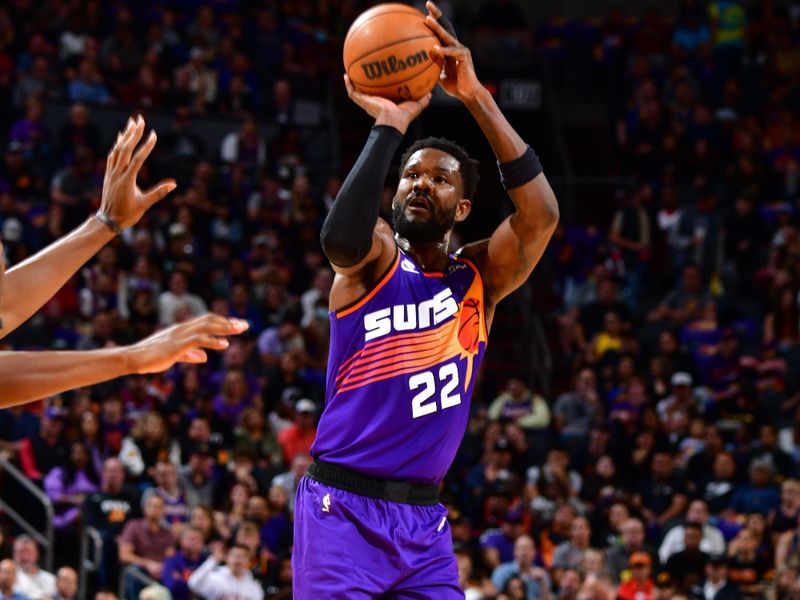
[408,317]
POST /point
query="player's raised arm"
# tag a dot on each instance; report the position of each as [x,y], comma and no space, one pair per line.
[353,236]
[518,243]
[33,282]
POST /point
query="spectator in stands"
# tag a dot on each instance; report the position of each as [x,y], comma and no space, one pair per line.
[760,494]
[196,478]
[201,80]
[108,511]
[747,569]
[75,188]
[8,575]
[787,515]
[766,448]
[518,404]
[145,543]
[291,478]
[570,554]
[497,544]
[179,567]
[38,84]
[166,479]
[298,437]
[687,566]
[47,449]
[641,585]
[685,302]
[256,435]
[536,579]
[68,486]
[715,586]
[88,85]
[245,146]
[278,340]
[215,582]
[78,132]
[315,299]
[148,444]
[177,302]
[574,411]
[662,495]
[32,581]
[630,232]
[155,592]
[66,584]
[632,540]
[711,542]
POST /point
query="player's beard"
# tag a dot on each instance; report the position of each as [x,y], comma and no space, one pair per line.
[430,231]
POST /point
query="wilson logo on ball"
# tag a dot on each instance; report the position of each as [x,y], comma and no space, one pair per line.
[383,68]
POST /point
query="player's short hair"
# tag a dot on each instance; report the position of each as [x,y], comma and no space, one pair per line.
[468,166]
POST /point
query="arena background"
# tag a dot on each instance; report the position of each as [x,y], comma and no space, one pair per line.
[650,361]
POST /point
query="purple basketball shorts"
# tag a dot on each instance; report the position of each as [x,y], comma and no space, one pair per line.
[351,547]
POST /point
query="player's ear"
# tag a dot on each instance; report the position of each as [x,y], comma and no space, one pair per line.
[463,208]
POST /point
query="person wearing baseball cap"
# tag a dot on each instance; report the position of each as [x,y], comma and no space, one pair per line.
[640,585]
[298,437]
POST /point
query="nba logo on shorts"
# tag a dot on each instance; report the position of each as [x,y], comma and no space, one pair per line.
[326,503]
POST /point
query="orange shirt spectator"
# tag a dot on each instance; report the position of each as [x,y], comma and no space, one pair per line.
[298,437]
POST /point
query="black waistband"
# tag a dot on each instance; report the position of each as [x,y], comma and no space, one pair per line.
[372,487]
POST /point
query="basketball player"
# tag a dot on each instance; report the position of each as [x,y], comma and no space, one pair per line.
[26,376]
[409,326]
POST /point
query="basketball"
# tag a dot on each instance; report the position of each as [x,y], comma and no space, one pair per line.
[387,52]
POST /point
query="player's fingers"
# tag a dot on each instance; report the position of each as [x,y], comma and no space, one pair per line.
[214,324]
[143,151]
[195,355]
[209,341]
[113,155]
[132,141]
[220,325]
[457,52]
[158,192]
[433,9]
[445,36]
[351,90]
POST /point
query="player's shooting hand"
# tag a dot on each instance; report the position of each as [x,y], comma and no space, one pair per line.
[122,200]
[460,79]
[184,342]
[385,111]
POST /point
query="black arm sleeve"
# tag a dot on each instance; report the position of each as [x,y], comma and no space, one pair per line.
[347,232]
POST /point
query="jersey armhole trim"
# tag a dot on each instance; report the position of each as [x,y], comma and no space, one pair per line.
[358,303]
[483,293]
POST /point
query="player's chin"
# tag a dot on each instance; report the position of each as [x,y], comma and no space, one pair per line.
[418,214]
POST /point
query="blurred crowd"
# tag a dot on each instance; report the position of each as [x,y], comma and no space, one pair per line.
[664,462]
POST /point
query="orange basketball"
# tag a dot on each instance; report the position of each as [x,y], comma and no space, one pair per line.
[387,52]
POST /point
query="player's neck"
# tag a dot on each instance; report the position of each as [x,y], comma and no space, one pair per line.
[430,256]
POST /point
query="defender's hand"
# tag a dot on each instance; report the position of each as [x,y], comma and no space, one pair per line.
[122,199]
[460,79]
[183,342]
[386,112]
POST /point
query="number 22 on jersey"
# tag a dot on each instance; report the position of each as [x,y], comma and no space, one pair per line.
[421,404]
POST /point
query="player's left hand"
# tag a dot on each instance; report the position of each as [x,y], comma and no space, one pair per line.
[122,199]
[460,79]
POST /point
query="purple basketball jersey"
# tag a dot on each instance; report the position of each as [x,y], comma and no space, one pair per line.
[401,370]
